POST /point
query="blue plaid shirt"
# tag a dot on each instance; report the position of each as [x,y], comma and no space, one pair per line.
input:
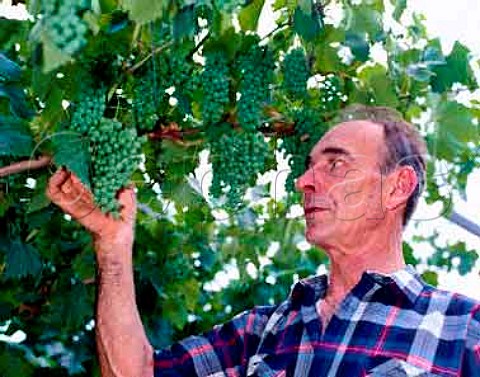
[387,325]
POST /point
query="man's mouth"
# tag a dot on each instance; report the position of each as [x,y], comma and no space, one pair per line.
[311,210]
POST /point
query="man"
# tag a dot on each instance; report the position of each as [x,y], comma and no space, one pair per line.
[371,316]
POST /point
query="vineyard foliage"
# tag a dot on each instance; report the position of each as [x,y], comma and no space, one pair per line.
[137,90]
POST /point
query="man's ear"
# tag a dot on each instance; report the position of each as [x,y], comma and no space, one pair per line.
[401,184]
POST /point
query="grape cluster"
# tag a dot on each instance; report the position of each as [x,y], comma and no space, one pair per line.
[295,74]
[215,84]
[67,29]
[309,128]
[88,112]
[256,69]
[115,152]
[50,7]
[145,105]
[331,95]
[237,158]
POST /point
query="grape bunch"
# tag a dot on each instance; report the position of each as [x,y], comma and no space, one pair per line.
[237,158]
[88,112]
[115,152]
[67,29]
[256,69]
[50,7]
[295,74]
[215,85]
[145,104]
[331,95]
[308,129]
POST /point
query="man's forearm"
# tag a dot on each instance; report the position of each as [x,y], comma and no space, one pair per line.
[123,347]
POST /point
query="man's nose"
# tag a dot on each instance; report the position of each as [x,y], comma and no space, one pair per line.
[306,182]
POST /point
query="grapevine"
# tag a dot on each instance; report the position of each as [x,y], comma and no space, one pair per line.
[237,157]
[215,84]
[256,68]
[115,153]
[67,29]
[295,74]
[331,95]
[88,112]
[145,104]
[309,128]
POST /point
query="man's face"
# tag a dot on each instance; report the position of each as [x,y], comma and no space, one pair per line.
[342,185]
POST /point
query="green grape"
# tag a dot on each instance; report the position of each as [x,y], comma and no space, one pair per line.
[215,84]
[256,68]
[88,111]
[295,74]
[237,158]
[115,156]
[309,128]
[145,104]
[49,7]
[67,30]
[331,95]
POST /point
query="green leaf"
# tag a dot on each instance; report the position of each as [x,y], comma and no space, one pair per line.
[184,23]
[15,138]
[419,72]
[71,306]
[144,11]
[455,70]
[13,362]
[9,70]
[39,199]
[455,127]
[376,79]
[430,277]
[249,15]
[53,57]
[400,6]
[364,19]
[18,101]
[307,26]
[359,46]
[72,151]
[21,260]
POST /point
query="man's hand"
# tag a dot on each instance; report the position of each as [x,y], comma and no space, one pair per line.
[65,190]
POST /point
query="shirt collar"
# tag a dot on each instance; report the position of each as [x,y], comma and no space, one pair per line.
[406,279]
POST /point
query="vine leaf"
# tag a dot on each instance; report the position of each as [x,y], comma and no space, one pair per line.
[53,57]
[378,81]
[456,69]
[307,25]
[21,260]
[9,70]
[184,23]
[13,363]
[400,6]
[72,150]
[455,127]
[248,16]
[15,137]
[144,11]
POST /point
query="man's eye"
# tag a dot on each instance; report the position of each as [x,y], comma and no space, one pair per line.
[335,164]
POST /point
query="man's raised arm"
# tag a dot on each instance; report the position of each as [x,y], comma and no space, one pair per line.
[123,347]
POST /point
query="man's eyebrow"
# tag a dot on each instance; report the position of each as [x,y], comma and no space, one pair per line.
[328,150]
[336,151]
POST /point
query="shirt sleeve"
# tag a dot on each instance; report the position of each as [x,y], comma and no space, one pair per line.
[471,356]
[224,350]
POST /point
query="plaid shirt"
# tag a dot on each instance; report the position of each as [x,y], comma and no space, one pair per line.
[387,325]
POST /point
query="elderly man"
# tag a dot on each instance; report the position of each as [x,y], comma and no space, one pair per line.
[370,316]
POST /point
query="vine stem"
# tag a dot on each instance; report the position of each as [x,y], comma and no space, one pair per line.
[27,165]
[146,58]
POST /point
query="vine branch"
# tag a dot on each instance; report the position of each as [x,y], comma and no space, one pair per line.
[19,167]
